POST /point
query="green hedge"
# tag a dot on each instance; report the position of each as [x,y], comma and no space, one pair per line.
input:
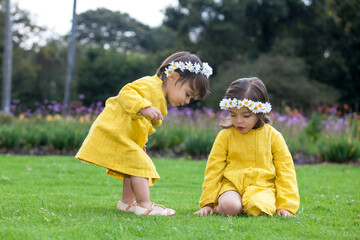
[182,135]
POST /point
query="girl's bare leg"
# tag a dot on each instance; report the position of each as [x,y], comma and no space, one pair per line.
[140,187]
[229,204]
[128,195]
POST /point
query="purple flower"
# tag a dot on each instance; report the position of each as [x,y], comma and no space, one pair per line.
[57,107]
[282,118]
[98,103]
[208,111]
[187,111]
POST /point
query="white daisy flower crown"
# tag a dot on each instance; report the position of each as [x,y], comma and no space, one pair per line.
[255,107]
[205,69]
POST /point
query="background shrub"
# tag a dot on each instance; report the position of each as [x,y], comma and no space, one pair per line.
[186,132]
[339,150]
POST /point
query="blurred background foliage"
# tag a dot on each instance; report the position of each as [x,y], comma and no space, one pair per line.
[305,51]
[186,132]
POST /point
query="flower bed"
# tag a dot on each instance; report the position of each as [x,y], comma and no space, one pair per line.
[185,132]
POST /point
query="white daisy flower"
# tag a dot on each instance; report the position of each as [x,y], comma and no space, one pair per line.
[240,104]
[189,66]
[205,69]
[267,107]
[223,104]
[255,107]
[246,102]
[174,65]
[181,66]
[251,105]
[197,68]
[168,71]
[233,102]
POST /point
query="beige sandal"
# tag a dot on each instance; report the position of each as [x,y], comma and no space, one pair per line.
[126,207]
[164,212]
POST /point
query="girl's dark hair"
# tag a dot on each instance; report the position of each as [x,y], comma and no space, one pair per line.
[250,88]
[198,82]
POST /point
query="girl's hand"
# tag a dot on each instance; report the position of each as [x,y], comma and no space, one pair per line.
[152,112]
[205,211]
[284,212]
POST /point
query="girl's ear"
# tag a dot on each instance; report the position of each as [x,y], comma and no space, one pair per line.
[173,77]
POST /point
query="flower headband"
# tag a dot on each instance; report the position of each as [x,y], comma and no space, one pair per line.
[255,107]
[205,69]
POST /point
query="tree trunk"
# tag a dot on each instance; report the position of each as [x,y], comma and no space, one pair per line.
[7,65]
[70,65]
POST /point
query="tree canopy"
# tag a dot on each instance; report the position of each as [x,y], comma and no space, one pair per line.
[324,34]
[305,51]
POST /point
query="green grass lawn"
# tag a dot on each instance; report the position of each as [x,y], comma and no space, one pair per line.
[60,198]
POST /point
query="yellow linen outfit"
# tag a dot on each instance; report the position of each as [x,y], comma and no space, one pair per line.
[117,137]
[258,165]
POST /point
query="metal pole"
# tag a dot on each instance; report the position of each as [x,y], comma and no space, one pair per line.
[7,65]
[70,65]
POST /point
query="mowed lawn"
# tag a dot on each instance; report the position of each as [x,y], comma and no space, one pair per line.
[56,197]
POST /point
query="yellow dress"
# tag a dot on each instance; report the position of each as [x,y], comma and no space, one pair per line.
[258,165]
[117,137]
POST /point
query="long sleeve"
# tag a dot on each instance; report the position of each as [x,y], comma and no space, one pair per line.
[131,100]
[287,193]
[214,170]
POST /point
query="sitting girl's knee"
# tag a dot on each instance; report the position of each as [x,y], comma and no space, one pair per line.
[229,208]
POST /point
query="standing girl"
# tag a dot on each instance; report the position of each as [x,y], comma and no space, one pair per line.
[250,168]
[117,138]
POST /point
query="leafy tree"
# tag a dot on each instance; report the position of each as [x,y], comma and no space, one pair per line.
[112,29]
[22,30]
[162,39]
[222,30]
[118,30]
[102,73]
[39,74]
[284,77]
[328,41]
[325,34]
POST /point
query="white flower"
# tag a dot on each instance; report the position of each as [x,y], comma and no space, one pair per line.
[168,71]
[205,69]
[223,104]
[189,66]
[174,65]
[251,106]
[246,102]
[240,104]
[228,103]
[197,68]
[267,107]
[233,102]
[181,66]
[255,107]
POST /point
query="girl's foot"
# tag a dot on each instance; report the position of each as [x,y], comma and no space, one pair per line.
[155,209]
[126,207]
